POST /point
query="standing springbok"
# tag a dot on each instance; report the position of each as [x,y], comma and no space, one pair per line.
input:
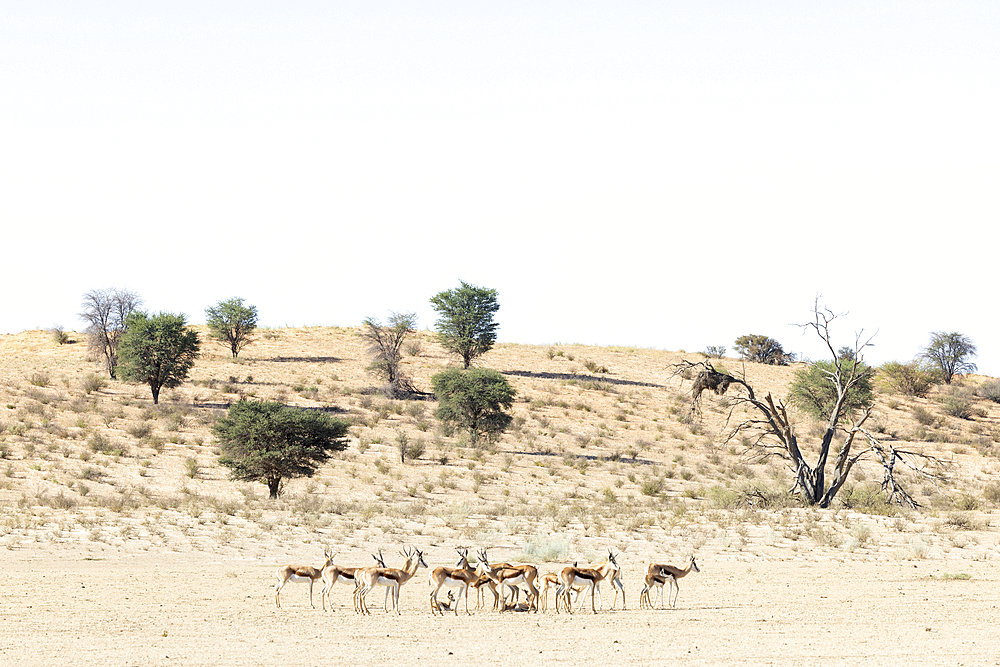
[511,575]
[675,574]
[585,577]
[390,577]
[653,579]
[334,574]
[300,574]
[462,575]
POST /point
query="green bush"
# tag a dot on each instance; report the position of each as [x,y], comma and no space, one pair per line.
[867,498]
[960,403]
[915,378]
[814,392]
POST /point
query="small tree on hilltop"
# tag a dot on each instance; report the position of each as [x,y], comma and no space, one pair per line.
[385,345]
[158,351]
[232,323]
[465,323]
[762,350]
[106,311]
[951,353]
[269,442]
[475,400]
[768,430]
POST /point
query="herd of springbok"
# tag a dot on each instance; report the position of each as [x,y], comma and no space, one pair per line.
[500,578]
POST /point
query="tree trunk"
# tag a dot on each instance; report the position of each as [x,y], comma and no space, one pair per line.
[156,393]
[272,486]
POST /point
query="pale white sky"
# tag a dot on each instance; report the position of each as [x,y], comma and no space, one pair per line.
[659,174]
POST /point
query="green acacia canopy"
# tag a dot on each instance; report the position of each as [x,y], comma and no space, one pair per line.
[475,400]
[157,350]
[465,323]
[264,441]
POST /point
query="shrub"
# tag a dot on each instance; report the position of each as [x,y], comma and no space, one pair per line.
[911,379]
[593,367]
[544,547]
[991,493]
[93,382]
[40,379]
[652,487]
[923,416]
[867,498]
[140,430]
[990,390]
[715,351]
[59,335]
[959,403]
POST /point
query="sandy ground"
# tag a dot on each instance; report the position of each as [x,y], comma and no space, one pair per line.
[191,609]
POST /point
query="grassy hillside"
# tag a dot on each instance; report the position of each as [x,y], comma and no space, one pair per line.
[603,451]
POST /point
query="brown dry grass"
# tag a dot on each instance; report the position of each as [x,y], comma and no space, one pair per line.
[594,460]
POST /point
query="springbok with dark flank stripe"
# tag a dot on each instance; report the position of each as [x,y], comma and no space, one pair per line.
[300,574]
[675,574]
[335,574]
[586,577]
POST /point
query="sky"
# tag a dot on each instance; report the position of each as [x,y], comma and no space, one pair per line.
[662,174]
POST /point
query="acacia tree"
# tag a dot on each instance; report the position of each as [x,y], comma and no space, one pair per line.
[465,323]
[232,323]
[762,349]
[158,351]
[264,441]
[476,400]
[951,353]
[768,427]
[385,345]
[106,311]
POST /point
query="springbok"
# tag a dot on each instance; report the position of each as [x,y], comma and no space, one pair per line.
[300,574]
[334,574]
[462,575]
[390,577]
[675,574]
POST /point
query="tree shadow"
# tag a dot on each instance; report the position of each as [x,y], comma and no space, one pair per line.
[583,378]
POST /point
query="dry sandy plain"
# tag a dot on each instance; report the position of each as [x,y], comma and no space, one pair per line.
[124,543]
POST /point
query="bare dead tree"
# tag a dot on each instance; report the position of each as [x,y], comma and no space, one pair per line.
[105,312]
[769,429]
[386,349]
